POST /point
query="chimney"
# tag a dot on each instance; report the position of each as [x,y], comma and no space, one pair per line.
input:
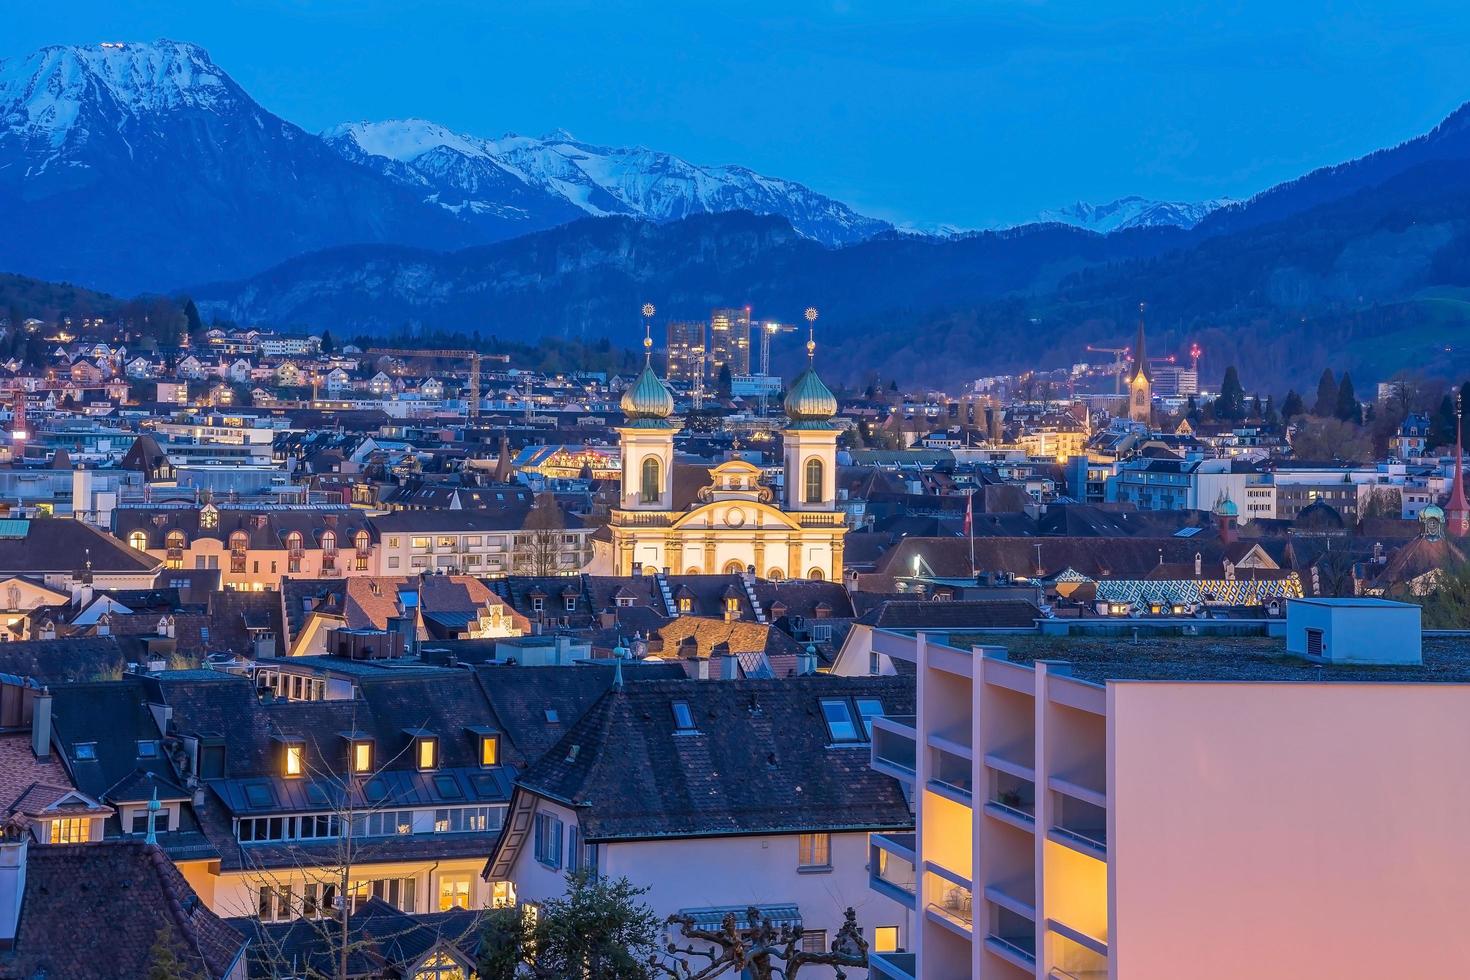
[12,884]
[1198,565]
[729,665]
[41,724]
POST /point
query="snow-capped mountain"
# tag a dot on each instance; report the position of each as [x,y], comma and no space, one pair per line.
[1132,212]
[146,167]
[523,175]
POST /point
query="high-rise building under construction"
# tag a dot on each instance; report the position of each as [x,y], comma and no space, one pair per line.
[687,350]
[729,340]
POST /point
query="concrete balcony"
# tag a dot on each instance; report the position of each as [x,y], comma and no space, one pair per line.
[891,872]
[1080,822]
[1012,937]
[949,903]
[950,775]
[892,966]
[895,746]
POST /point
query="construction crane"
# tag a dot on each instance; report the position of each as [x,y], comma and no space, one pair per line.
[473,356]
[769,329]
[1195,353]
[1121,358]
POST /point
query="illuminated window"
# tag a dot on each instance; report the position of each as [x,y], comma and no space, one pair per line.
[814,852]
[72,830]
[138,541]
[686,604]
[428,752]
[502,894]
[489,750]
[175,539]
[329,540]
[813,481]
[650,487]
[293,541]
[885,939]
[295,759]
[454,892]
[362,756]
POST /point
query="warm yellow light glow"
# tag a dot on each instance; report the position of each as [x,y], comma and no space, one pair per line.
[885,939]
[428,753]
[362,756]
[490,750]
[294,760]
[73,830]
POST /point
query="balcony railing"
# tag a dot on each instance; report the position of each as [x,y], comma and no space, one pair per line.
[952,772]
[890,872]
[1081,822]
[892,966]
[951,901]
[894,744]
[1013,795]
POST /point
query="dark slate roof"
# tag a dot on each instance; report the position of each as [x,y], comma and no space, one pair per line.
[71,658]
[511,517]
[302,596]
[232,615]
[95,910]
[265,528]
[65,546]
[762,761]
[522,695]
[380,939]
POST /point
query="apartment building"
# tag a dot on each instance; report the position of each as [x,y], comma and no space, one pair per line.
[490,543]
[1182,806]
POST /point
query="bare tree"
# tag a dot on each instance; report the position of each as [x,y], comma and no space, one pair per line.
[345,813]
[758,947]
[539,544]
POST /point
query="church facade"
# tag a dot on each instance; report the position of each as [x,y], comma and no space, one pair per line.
[737,523]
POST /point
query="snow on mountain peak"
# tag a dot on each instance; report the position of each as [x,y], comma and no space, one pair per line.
[405,140]
[1132,212]
[47,91]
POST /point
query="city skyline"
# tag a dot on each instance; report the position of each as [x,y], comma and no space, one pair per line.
[1006,111]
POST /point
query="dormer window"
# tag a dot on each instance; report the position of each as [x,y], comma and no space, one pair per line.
[686,604]
[138,541]
[624,601]
[362,755]
[489,750]
[537,603]
[732,605]
[426,752]
[295,760]
[571,603]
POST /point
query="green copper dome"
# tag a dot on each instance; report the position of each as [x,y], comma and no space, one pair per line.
[809,400]
[646,398]
[1226,507]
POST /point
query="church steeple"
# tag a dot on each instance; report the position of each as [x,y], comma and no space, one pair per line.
[1140,381]
[1140,353]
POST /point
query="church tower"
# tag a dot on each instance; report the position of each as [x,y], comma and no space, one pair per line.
[809,444]
[1140,380]
[647,440]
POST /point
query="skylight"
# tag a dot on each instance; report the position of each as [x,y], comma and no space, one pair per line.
[683,717]
[839,721]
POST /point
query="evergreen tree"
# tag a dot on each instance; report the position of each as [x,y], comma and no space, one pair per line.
[192,323]
[1292,406]
[329,346]
[1326,404]
[1464,408]
[1268,411]
[1231,403]
[1442,427]
[1348,408]
[163,961]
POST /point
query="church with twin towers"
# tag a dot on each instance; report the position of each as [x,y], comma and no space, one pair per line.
[735,522]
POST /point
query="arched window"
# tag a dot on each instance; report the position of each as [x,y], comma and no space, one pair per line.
[649,492]
[138,540]
[813,481]
[293,541]
[816,575]
[329,540]
[734,568]
[775,575]
[175,539]
[362,541]
[239,541]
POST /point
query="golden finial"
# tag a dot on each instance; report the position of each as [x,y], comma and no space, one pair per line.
[811,330]
[647,331]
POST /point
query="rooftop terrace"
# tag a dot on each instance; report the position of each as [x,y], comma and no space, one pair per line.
[1216,658]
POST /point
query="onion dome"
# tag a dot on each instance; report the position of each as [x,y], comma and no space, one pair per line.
[1226,507]
[647,400]
[1431,522]
[809,399]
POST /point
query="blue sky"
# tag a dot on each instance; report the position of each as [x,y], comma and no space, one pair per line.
[965,113]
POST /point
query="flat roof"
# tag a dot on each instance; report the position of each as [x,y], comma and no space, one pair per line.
[1218,658]
[1358,602]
